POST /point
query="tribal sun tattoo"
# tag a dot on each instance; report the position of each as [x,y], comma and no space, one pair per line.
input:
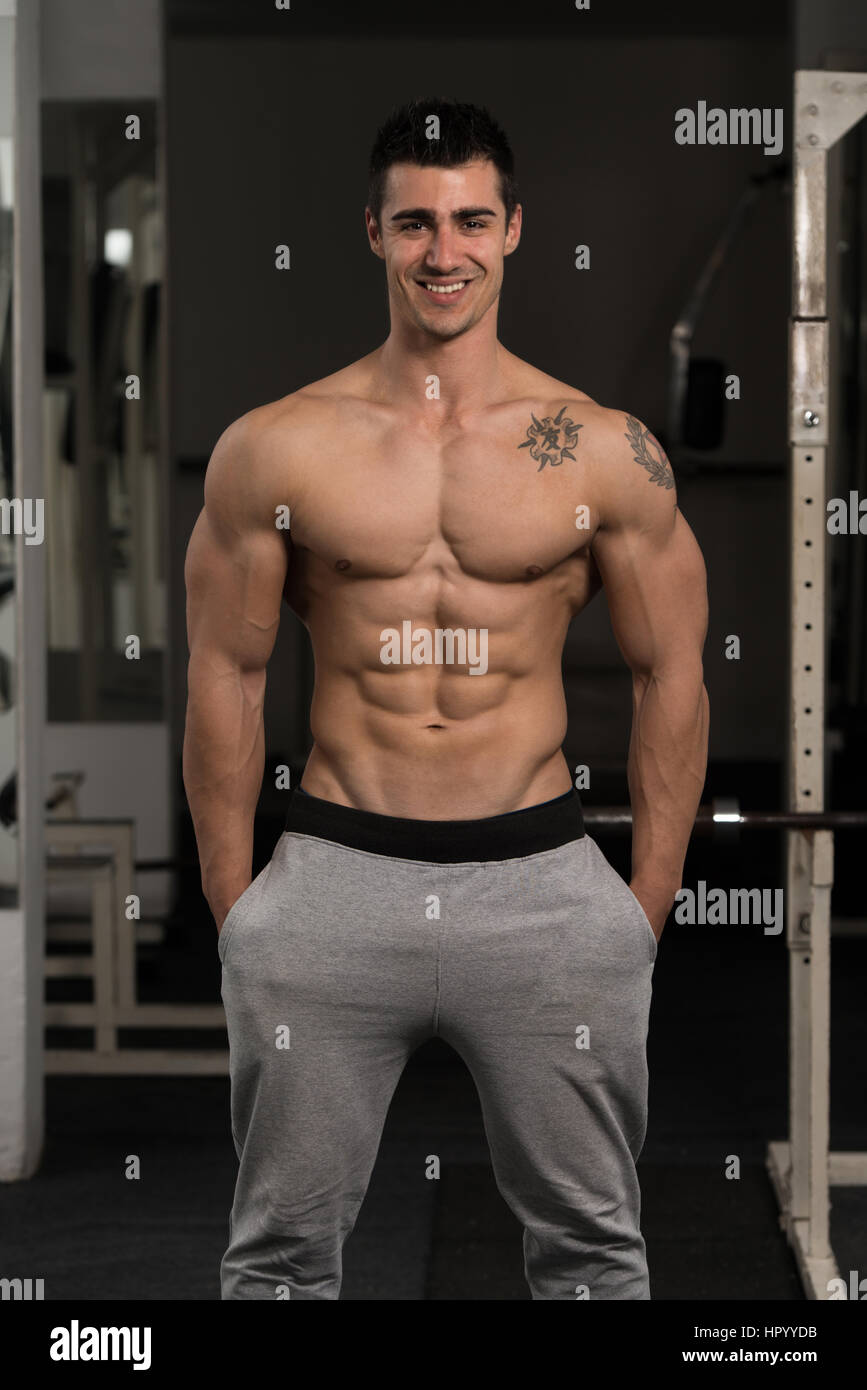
[659,467]
[551,441]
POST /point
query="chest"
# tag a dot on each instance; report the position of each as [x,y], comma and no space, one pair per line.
[495,505]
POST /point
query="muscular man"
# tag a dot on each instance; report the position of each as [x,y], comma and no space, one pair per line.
[450,510]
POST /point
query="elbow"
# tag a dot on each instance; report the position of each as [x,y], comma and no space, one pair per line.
[684,673]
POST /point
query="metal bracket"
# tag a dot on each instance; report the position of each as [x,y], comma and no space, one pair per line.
[808,376]
[827,105]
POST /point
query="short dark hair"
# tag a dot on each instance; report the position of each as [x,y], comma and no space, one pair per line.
[465,133]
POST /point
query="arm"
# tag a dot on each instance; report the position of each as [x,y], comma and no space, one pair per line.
[235,569]
[655,582]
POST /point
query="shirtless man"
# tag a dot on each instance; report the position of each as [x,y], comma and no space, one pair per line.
[450,509]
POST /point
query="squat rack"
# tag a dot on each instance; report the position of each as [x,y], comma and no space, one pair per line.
[827,104]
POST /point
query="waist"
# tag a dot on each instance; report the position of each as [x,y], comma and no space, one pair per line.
[509,836]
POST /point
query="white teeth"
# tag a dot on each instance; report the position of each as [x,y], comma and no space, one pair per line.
[446,289]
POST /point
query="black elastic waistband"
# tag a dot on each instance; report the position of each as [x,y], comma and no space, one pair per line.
[510,836]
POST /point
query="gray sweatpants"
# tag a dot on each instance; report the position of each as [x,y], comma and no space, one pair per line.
[339,960]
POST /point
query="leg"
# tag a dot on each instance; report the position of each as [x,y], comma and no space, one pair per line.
[546,994]
[323,1008]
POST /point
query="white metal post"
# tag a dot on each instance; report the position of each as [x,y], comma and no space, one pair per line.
[826,105]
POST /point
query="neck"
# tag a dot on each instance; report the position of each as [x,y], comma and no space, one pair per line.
[470,367]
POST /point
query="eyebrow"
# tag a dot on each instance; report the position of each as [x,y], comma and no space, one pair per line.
[428,214]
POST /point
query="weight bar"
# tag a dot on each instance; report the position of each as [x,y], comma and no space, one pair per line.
[724,816]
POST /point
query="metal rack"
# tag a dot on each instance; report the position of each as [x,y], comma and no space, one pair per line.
[826,105]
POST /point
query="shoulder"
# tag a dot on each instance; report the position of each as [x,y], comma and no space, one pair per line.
[274,425]
[620,450]
[621,439]
[261,458]
[615,439]
[250,471]
[631,471]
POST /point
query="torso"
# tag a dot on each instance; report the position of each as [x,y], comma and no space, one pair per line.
[442,525]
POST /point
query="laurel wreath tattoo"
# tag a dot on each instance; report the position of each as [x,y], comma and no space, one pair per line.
[658,468]
[551,441]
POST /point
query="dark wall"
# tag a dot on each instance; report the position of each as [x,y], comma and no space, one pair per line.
[830,33]
[267,143]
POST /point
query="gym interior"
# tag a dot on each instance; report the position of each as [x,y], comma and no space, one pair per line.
[152,156]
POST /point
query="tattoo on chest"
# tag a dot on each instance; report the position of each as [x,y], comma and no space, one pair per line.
[648,451]
[551,440]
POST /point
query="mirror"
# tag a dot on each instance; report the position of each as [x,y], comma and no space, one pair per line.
[105,562]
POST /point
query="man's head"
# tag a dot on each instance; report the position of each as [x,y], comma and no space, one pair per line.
[442,211]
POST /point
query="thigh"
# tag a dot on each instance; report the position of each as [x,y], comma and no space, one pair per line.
[545,944]
[322,1012]
[547,991]
[325,943]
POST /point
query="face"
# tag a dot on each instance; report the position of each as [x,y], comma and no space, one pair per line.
[443,236]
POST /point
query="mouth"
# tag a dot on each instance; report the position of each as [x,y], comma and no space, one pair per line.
[444,292]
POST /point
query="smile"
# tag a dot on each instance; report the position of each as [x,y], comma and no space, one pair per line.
[449,290]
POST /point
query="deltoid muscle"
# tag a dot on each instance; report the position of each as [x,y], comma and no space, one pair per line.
[658,468]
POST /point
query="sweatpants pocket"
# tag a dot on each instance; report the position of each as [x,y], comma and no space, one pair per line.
[617,888]
[653,944]
[237,911]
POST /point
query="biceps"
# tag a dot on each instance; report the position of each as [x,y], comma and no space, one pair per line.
[657,598]
[234,592]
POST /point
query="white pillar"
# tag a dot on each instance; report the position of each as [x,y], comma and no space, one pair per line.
[22,929]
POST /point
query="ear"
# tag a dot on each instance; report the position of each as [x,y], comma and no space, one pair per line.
[373,234]
[513,231]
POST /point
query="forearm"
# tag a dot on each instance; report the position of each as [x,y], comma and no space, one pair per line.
[666,770]
[223,763]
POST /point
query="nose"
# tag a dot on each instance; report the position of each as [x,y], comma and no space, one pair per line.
[443,255]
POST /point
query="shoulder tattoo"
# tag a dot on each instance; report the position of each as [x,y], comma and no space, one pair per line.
[647,450]
[551,440]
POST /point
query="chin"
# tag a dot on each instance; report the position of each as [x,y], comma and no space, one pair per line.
[443,330]
[438,329]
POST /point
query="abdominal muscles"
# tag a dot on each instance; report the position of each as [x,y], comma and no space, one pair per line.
[432,740]
[438,690]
